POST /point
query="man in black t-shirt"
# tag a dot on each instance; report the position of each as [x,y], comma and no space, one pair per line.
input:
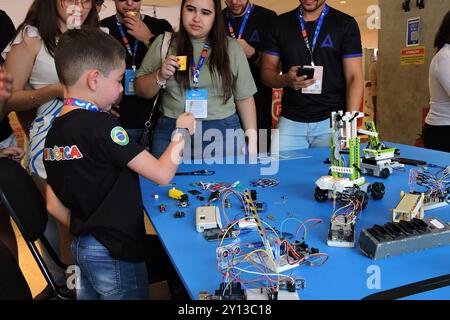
[247,23]
[316,36]
[134,26]
[92,169]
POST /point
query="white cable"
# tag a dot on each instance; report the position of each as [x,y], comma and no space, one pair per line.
[263,274]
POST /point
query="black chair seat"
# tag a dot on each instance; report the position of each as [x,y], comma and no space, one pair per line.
[26,206]
[13,285]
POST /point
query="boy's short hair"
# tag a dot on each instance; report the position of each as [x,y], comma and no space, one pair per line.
[86,49]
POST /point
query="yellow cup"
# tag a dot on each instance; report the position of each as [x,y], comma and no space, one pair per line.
[182,61]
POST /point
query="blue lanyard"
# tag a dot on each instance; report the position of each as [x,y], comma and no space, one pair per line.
[81,104]
[127,43]
[196,69]
[316,34]
[244,22]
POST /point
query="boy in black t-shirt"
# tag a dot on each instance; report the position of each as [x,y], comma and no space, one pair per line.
[90,161]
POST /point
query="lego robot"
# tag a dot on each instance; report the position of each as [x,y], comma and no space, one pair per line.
[378,160]
[352,187]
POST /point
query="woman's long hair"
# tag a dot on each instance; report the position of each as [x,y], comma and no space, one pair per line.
[44,16]
[443,35]
[219,62]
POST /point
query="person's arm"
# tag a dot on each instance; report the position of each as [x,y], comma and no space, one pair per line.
[271,77]
[247,111]
[248,49]
[351,52]
[19,62]
[14,153]
[6,81]
[162,170]
[354,82]
[56,208]
[146,86]
[443,75]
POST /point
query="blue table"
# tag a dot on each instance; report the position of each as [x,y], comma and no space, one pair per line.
[345,274]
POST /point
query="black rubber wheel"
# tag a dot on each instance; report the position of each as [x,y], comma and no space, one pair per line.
[385,173]
[321,195]
[377,191]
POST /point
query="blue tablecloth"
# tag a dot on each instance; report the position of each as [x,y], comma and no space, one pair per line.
[347,272]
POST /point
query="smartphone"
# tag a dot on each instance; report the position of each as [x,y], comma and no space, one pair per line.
[307,71]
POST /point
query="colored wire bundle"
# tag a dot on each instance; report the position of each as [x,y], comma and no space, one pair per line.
[437,186]
[265,183]
[214,186]
[352,202]
[248,265]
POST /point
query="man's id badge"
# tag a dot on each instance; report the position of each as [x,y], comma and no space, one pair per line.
[316,88]
[197,103]
[130,75]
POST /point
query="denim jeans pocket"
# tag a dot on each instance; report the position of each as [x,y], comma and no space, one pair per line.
[104,274]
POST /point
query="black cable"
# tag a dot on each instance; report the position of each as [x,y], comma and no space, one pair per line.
[196,173]
[411,289]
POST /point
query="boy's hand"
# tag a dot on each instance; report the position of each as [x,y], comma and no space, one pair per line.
[186,120]
[14,153]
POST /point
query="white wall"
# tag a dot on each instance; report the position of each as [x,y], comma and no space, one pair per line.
[17,10]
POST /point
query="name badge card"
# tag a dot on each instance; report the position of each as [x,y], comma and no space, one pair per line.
[315,88]
[197,103]
[130,75]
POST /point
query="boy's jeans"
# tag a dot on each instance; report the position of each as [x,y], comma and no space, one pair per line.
[105,278]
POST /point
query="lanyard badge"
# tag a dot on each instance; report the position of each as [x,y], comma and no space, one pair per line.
[250,9]
[81,104]
[197,99]
[130,74]
[127,43]
[196,69]
[316,34]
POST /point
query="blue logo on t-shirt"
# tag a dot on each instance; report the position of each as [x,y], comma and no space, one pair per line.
[255,37]
[328,42]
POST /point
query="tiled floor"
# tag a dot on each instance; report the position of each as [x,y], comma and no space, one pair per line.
[37,283]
